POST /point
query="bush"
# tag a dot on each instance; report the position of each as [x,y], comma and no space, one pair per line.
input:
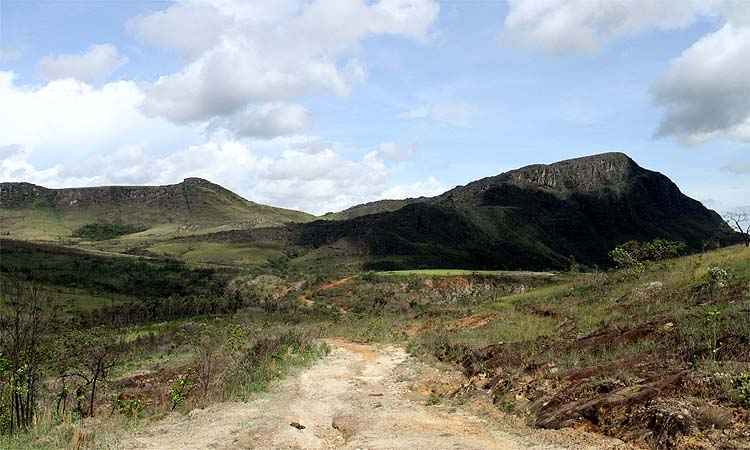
[717,278]
[268,359]
[178,390]
[104,231]
[633,254]
[742,388]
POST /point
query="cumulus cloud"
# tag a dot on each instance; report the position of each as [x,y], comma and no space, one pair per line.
[14,166]
[706,90]
[69,133]
[390,151]
[586,25]
[457,114]
[427,188]
[167,28]
[68,116]
[95,64]
[317,181]
[267,121]
[243,53]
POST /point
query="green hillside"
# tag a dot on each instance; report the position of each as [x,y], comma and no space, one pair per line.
[194,206]
[537,217]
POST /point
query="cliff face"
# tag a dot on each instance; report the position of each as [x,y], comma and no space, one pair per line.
[169,197]
[534,217]
[589,174]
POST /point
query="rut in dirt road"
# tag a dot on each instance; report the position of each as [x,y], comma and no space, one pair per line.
[357,397]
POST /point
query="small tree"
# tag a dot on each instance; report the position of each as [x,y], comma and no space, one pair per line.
[739,220]
[23,324]
[88,357]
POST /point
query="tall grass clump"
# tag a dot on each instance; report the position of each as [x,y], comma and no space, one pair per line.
[268,359]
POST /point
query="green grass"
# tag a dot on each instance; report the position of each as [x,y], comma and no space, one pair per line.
[38,224]
[220,253]
[106,231]
[436,319]
[271,358]
[71,268]
[458,272]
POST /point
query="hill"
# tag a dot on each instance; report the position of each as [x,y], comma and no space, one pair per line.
[375,207]
[536,217]
[29,211]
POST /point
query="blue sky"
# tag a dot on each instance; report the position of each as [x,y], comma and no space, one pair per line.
[319,105]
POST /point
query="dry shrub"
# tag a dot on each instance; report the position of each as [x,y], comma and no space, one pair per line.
[713,417]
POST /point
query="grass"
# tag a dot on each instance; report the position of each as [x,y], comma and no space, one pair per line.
[544,324]
[251,354]
[106,231]
[458,272]
[71,268]
[37,224]
[219,253]
[269,359]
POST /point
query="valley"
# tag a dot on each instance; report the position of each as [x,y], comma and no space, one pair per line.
[582,304]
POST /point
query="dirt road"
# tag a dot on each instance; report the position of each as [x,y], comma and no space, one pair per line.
[359,397]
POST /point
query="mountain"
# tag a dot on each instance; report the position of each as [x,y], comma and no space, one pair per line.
[372,208]
[539,217]
[31,211]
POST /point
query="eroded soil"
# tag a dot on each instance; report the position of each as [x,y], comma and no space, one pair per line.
[359,397]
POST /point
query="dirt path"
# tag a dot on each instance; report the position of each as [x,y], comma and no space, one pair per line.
[359,397]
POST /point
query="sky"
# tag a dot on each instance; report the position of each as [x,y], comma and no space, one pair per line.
[319,105]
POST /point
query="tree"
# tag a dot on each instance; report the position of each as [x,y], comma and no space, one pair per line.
[88,357]
[739,220]
[23,325]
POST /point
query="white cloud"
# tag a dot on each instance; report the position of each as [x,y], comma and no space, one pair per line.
[457,114]
[67,133]
[390,151]
[317,181]
[268,51]
[167,28]
[706,90]
[14,166]
[95,64]
[427,188]
[66,120]
[586,25]
[267,121]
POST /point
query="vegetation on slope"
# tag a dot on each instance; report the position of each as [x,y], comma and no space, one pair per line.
[655,353]
[193,206]
[104,231]
[73,268]
[536,218]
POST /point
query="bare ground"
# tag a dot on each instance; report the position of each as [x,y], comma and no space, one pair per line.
[359,397]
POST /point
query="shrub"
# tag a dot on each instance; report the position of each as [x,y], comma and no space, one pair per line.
[633,254]
[713,417]
[178,390]
[268,359]
[742,388]
[717,278]
[660,249]
[104,231]
[129,407]
[267,291]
